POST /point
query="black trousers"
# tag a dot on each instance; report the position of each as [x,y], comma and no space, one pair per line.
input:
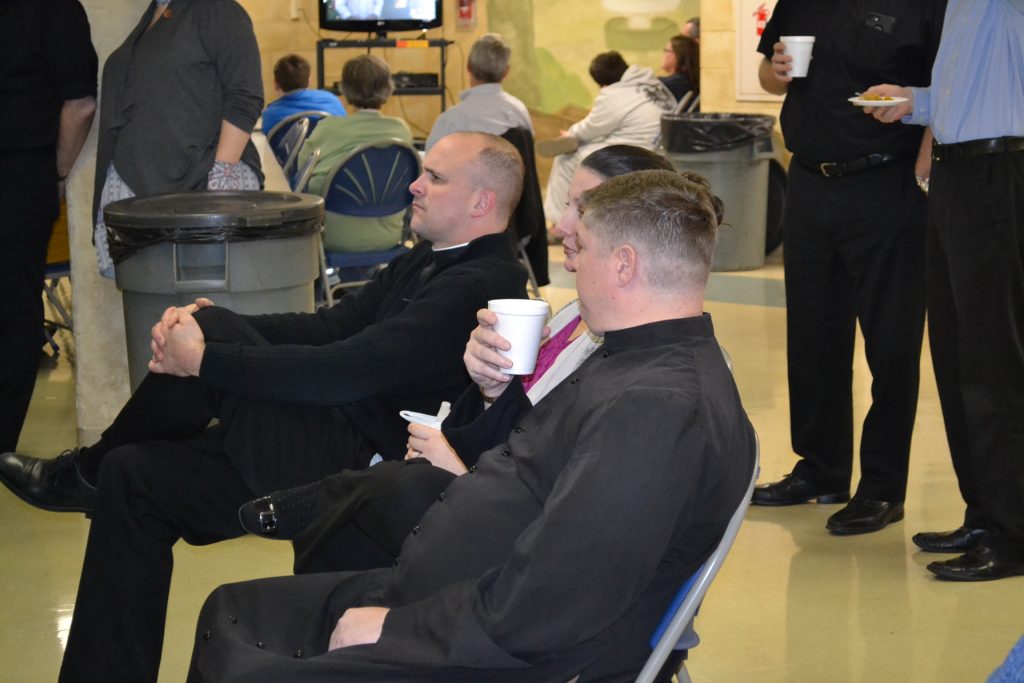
[976,330]
[854,254]
[163,475]
[28,208]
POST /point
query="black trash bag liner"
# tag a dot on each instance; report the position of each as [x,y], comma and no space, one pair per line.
[209,218]
[688,133]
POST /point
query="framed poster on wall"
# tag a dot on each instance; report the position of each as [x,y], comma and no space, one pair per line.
[750,17]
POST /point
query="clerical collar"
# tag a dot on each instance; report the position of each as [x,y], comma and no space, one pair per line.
[457,246]
[658,333]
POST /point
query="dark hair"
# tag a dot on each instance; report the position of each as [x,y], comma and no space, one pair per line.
[488,58]
[607,68]
[615,160]
[695,31]
[366,82]
[671,219]
[291,73]
[687,51]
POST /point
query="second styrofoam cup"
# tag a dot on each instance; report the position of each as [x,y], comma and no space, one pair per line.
[799,48]
[521,322]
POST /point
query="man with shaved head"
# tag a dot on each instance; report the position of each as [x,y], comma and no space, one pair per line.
[297,396]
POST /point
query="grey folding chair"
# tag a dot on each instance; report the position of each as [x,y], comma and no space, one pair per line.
[675,631]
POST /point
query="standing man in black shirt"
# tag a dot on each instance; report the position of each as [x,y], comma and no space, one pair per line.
[298,396]
[854,233]
[48,91]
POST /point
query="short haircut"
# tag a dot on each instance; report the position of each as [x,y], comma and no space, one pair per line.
[366,82]
[488,58]
[695,31]
[499,168]
[687,51]
[671,219]
[291,73]
[614,160]
[607,68]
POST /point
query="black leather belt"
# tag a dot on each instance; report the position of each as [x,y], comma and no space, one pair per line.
[973,148]
[837,169]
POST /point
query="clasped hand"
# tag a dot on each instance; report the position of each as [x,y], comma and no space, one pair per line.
[483,361]
[177,341]
[358,626]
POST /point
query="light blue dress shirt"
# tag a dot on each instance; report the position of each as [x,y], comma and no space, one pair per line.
[977,88]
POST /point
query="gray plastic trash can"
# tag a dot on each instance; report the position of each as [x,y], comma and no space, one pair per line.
[733,152]
[252,252]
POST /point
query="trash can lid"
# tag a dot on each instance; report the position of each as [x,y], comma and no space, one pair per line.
[711,132]
[206,210]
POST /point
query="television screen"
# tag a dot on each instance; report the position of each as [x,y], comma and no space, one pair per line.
[379,16]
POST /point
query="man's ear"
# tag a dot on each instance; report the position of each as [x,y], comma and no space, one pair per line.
[625,264]
[483,203]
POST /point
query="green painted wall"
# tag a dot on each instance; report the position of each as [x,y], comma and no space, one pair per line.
[553,42]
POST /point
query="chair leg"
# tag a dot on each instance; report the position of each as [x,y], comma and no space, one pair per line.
[534,287]
[50,288]
[324,284]
[683,676]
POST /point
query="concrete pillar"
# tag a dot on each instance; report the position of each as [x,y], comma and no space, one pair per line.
[101,383]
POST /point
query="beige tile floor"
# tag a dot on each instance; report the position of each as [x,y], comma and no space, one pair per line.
[792,604]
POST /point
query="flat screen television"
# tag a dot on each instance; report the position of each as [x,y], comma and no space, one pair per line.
[379,16]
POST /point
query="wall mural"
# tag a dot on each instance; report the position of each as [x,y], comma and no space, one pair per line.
[553,42]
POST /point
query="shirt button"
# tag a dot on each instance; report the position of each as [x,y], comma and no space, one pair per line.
[415,529]
[260,644]
[606,354]
[206,635]
[574,380]
[506,452]
[298,654]
[396,561]
[233,620]
[518,430]
[472,469]
[444,494]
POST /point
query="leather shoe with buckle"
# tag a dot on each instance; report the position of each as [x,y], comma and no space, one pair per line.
[863,515]
[56,485]
[980,563]
[955,541]
[792,490]
[281,515]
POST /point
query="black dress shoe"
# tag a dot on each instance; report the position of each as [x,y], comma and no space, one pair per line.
[980,563]
[56,485]
[283,514]
[955,541]
[792,490]
[863,515]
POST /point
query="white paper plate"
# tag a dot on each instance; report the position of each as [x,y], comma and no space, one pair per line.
[860,102]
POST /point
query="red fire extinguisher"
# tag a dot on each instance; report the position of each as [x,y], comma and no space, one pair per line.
[761,16]
[466,18]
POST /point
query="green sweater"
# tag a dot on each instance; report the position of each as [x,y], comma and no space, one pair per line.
[336,136]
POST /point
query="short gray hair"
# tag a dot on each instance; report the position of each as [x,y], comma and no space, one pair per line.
[366,82]
[488,58]
[671,221]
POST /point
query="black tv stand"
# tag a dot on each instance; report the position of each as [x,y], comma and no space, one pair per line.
[382,41]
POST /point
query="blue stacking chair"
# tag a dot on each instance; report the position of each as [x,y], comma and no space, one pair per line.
[55,272]
[287,152]
[276,134]
[371,181]
[675,632]
[298,180]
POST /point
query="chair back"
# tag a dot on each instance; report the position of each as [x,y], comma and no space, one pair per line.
[677,621]
[287,152]
[300,179]
[527,221]
[275,134]
[372,180]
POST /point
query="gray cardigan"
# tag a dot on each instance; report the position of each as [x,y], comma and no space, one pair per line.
[166,90]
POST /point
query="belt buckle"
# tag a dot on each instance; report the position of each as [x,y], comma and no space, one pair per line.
[826,168]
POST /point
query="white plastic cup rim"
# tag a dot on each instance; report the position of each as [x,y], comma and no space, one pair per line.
[530,307]
[796,39]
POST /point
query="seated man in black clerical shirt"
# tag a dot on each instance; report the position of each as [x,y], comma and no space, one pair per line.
[297,397]
[556,557]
